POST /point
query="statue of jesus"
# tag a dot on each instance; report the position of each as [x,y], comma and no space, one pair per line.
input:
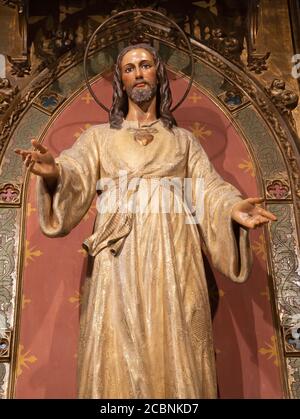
[145,328]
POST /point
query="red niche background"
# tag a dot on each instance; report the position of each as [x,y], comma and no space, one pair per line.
[54,269]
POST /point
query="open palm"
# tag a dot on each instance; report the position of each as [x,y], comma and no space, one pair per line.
[40,161]
[249,214]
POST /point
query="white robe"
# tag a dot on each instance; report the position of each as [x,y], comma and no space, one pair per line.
[146,327]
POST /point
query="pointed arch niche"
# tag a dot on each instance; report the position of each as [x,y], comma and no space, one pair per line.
[40,279]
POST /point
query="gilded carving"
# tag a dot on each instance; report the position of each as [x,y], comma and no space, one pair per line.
[7,264]
[291,341]
[228,46]
[260,100]
[20,67]
[48,101]
[285,100]
[10,193]
[7,94]
[19,109]
[5,345]
[285,263]
[14,3]
[2,380]
[277,189]
[258,62]
[293,365]
[233,98]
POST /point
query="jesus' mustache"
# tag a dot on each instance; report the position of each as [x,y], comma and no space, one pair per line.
[141,82]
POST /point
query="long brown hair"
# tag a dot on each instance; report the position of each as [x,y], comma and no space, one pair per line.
[119,107]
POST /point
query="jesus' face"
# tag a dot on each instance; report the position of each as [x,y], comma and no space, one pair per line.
[138,71]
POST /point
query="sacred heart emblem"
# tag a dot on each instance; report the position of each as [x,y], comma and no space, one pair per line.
[143,136]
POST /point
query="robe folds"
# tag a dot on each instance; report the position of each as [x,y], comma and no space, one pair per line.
[145,325]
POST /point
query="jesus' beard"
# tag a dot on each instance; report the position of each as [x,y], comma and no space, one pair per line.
[140,95]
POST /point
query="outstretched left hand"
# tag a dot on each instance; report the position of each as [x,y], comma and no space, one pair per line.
[249,214]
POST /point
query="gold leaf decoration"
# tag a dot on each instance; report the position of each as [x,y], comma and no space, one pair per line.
[24,359]
[247,166]
[83,252]
[270,351]
[81,130]
[200,131]
[195,97]
[266,293]
[25,301]
[75,299]
[221,293]
[87,98]
[30,209]
[30,253]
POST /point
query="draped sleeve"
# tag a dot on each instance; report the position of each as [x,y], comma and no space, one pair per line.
[226,241]
[79,170]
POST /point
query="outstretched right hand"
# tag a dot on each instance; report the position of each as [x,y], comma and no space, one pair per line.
[40,162]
